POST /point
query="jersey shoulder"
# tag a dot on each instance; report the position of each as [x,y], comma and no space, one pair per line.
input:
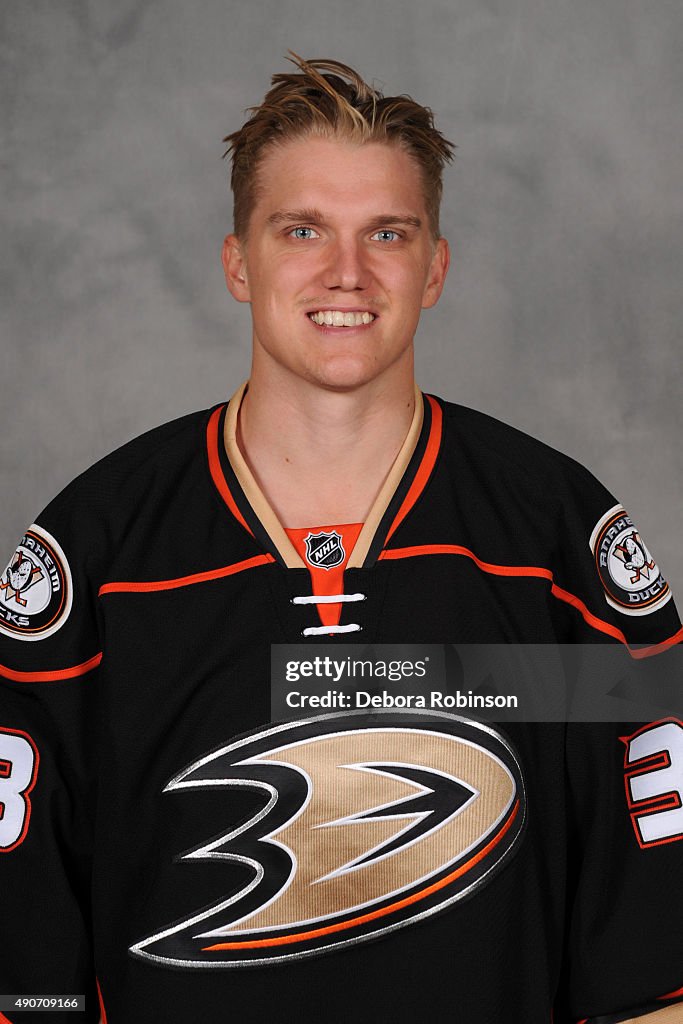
[555,513]
[495,447]
[140,509]
[159,454]
[49,587]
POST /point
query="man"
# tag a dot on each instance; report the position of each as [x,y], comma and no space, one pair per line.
[160,832]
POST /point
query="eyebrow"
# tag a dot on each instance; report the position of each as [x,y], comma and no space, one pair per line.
[312,216]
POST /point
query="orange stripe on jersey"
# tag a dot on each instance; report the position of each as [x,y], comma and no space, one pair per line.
[672,995]
[426,466]
[282,940]
[55,676]
[677,638]
[539,573]
[4,1019]
[457,549]
[103,1012]
[219,480]
[185,581]
[592,620]
[610,630]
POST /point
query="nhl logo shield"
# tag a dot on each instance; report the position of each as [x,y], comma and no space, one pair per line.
[324,550]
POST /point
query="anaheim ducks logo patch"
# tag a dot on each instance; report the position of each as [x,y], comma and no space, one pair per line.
[324,550]
[35,588]
[631,578]
[366,824]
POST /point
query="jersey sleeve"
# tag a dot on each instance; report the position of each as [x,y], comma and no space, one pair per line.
[50,652]
[625,780]
[607,584]
[626,900]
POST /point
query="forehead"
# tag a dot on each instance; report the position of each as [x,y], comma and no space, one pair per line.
[338,174]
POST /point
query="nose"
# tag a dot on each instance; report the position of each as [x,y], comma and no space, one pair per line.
[346,266]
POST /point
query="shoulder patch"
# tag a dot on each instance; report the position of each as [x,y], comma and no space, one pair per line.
[631,577]
[35,589]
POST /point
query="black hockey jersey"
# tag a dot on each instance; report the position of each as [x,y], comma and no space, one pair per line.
[176,855]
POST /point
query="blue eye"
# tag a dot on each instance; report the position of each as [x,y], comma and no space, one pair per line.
[304,233]
[386,235]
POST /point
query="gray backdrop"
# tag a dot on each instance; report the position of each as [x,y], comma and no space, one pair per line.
[563,209]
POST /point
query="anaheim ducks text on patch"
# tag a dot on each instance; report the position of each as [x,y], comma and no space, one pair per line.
[35,588]
[365,824]
[631,578]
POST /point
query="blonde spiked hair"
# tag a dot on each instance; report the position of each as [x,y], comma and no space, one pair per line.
[329,99]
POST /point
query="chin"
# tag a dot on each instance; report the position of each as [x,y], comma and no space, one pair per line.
[344,377]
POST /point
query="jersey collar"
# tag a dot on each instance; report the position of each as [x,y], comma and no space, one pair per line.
[400,491]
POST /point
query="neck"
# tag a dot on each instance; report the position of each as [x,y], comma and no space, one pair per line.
[321,456]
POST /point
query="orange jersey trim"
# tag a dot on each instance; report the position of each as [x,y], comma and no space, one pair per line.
[282,940]
[606,627]
[103,1012]
[185,581]
[457,549]
[219,480]
[672,995]
[426,466]
[54,676]
[539,573]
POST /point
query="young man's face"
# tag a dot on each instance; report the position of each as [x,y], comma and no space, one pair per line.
[338,228]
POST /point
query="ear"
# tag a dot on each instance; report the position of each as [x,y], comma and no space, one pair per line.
[436,278]
[235,269]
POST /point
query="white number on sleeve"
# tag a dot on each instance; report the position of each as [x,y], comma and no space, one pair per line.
[18,769]
[654,782]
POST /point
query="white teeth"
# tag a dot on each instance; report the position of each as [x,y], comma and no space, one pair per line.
[341,318]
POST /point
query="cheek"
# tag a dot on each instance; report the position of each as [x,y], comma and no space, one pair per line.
[405,290]
[274,314]
[403,274]
[280,281]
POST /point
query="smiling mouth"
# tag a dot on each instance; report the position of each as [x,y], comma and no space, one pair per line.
[340,318]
